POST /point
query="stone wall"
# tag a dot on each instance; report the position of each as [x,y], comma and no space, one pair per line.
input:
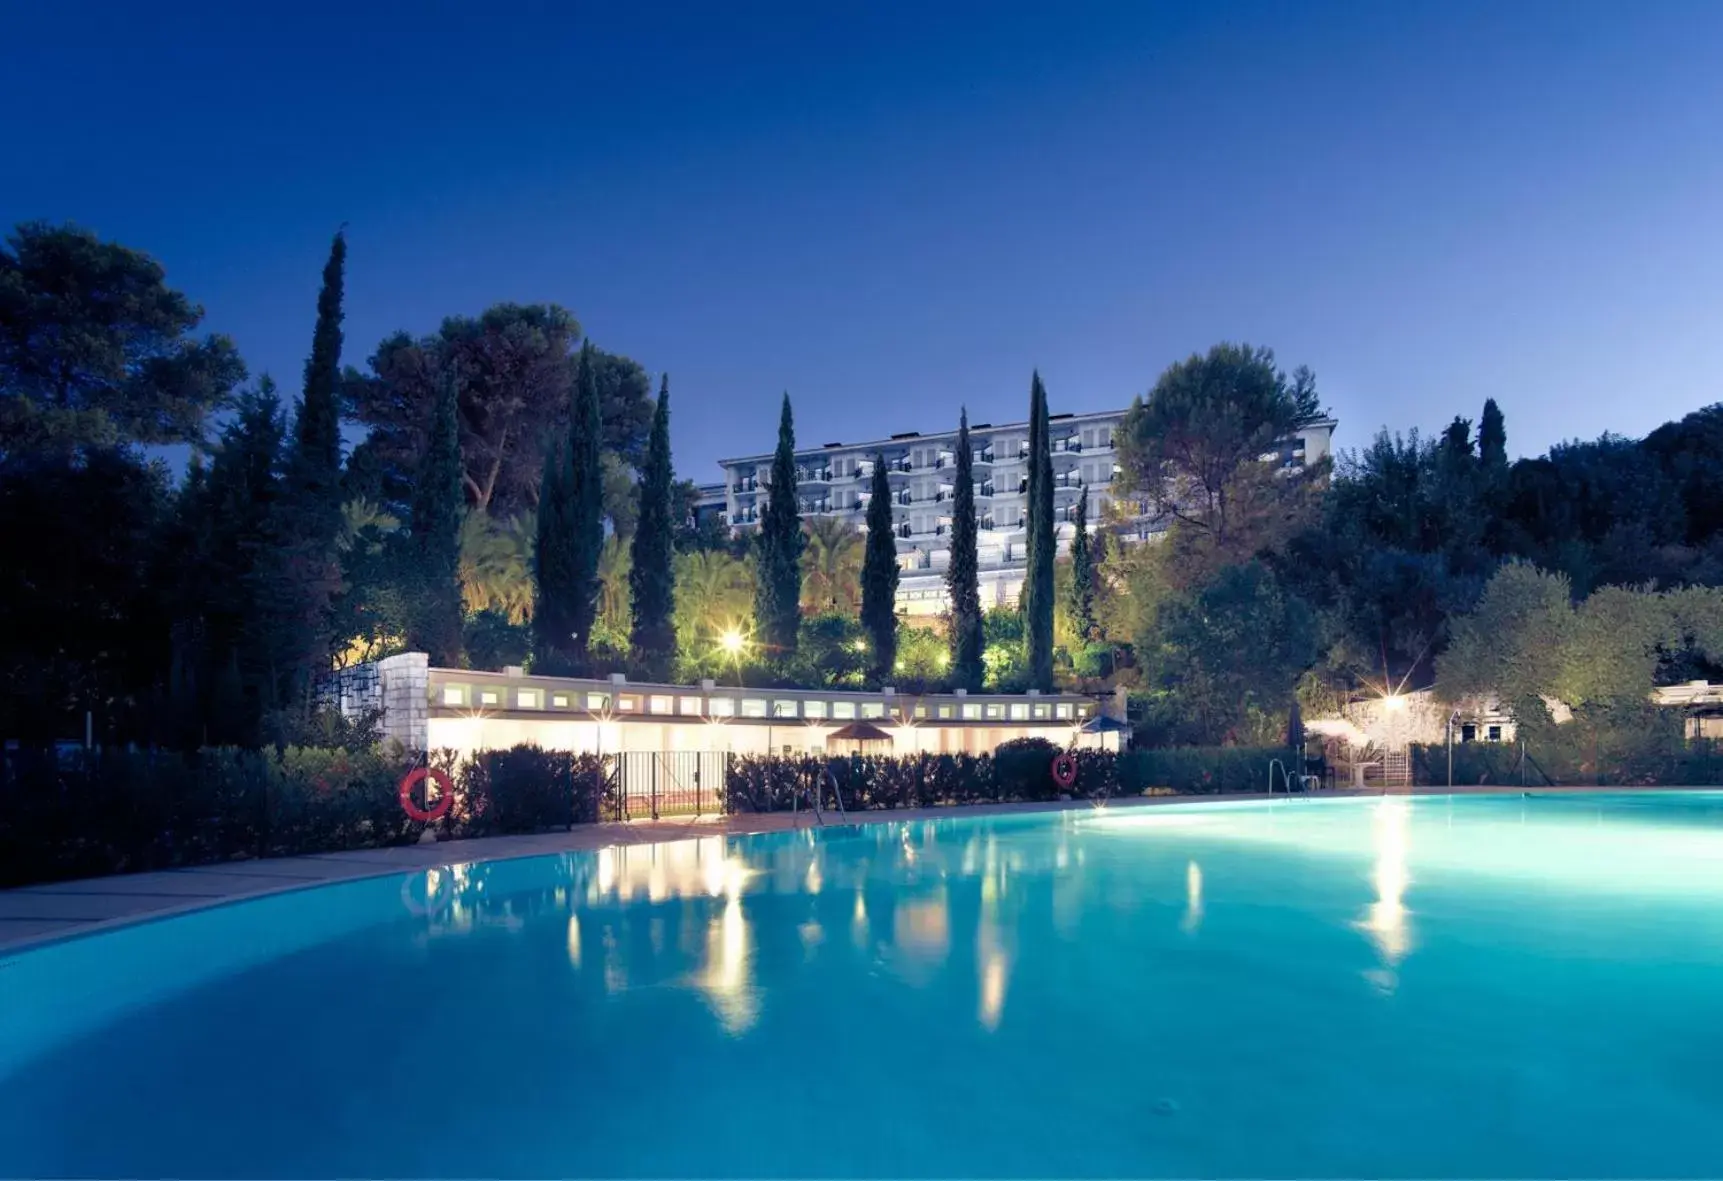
[399,686]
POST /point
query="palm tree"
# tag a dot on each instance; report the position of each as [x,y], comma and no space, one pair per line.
[831,566]
[365,524]
[496,564]
[713,592]
[614,562]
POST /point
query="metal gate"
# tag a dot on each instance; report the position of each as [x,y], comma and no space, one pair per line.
[655,784]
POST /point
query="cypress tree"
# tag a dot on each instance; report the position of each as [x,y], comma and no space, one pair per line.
[554,564]
[778,593]
[314,466]
[1492,438]
[302,576]
[1081,604]
[879,575]
[438,505]
[586,500]
[651,577]
[1038,577]
[962,579]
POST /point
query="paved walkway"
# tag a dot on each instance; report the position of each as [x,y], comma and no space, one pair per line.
[33,914]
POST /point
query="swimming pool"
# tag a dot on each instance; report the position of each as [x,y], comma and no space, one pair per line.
[1468,986]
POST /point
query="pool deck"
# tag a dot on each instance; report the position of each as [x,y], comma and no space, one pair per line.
[54,910]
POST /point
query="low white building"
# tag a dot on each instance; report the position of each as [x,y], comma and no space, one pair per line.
[437,709]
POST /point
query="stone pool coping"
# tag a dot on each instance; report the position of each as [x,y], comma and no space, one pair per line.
[32,915]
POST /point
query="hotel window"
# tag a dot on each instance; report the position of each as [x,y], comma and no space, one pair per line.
[813,709]
[488,697]
[873,709]
[559,700]
[944,711]
[660,703]
[722,707]
[1041,710]
[995,711]
[690,705]
[753,707]
[628,704]
[921,711]
[972,713]
[1062,710]
[783,709]
[1019,711]
[1082,711]
[843,710]
[1494,733]
[597,700]
[528,699]
[454,694]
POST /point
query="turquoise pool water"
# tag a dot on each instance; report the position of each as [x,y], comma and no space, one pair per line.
[1469,987]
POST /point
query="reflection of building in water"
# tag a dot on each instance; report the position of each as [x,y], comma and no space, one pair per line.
[990,955]
[1385,920]
[1193,899]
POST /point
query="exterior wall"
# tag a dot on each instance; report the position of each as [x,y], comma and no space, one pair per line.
[835,480]
[396,685]
[471,711]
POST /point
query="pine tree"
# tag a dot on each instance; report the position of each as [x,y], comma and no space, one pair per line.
[1081,604]
[879,576]
[778,593]
[962,580]
[554,564]
[652,577]
[586,479]
[438,506]
[1038,577]
[1493,468]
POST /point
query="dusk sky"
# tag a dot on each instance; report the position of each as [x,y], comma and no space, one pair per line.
[890,210]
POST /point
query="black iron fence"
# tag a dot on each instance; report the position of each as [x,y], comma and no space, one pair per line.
[655,784]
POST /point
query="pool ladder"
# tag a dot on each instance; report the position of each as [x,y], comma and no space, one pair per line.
[814,793]
[1305,782]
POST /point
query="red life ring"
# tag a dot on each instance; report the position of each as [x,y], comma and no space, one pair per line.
[445,794]
[1064,769]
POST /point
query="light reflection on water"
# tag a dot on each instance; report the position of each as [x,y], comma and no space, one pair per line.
[1525,965]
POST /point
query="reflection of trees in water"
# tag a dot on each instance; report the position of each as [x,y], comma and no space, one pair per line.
[918,900]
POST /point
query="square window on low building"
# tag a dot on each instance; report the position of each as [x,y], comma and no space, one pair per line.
[843,710]
[690,705]
[873,709]
[1082,711]
[1042,710]
[1019,711]
[1468,732]
[454,694]
[1494,733]
[660,703]
[813,709]
[995,710]
[782,708]
[722,707]
[528,699]
[489,697]
[597,700]
[1062,710]
[753,707]
[921,711]
[944,711]
[972,713]
[628,704]
[559,700]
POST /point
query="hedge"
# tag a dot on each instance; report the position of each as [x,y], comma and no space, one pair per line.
[111,811]
[1017,771]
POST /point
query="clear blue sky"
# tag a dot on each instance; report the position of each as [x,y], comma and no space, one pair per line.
[891,209]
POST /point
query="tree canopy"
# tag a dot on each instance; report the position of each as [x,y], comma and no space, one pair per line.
[96,349]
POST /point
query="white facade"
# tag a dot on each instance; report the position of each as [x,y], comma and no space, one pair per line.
[469,711]
[836,480]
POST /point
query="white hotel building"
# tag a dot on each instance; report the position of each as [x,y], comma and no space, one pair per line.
[836,480]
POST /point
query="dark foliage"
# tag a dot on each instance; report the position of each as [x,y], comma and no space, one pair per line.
[652,575]
[962,578]
[778,587]
[879,578]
